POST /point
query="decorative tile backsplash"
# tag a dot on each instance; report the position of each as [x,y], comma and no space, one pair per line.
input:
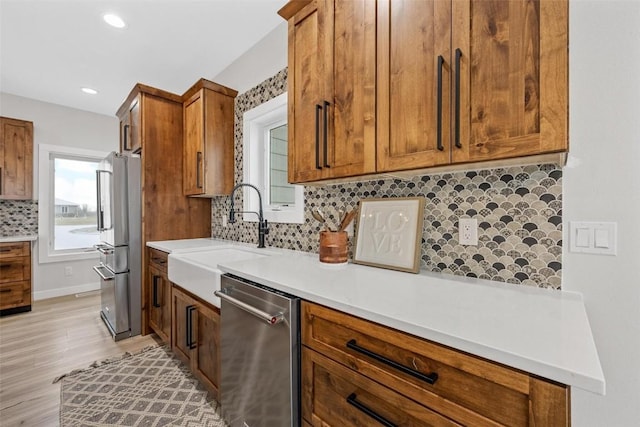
[18,217]
[519,213]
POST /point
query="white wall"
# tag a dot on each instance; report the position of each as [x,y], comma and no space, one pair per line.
[57,125]
[605,186]
[262,61]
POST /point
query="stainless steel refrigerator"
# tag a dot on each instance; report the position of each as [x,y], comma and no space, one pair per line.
[118,221]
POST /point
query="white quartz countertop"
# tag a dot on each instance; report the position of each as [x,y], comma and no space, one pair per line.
[189,245]
[22,238]
[544,332]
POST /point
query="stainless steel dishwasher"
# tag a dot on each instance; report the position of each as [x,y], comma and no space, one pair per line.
[260,352]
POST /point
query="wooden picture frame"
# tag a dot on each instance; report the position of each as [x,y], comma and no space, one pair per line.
[389,233]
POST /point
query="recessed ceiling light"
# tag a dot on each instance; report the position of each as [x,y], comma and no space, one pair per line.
[89,90]
[114,20]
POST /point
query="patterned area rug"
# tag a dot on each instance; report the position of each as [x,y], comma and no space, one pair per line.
[151,388]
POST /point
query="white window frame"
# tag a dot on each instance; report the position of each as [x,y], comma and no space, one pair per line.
[46,208]
[255,156]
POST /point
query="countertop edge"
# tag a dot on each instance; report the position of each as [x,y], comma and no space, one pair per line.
[21,238]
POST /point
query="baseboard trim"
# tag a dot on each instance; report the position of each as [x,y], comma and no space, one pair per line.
[70,290]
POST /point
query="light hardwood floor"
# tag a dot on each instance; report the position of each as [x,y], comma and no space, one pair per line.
[57,336]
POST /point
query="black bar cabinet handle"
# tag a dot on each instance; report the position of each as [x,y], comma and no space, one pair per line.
[188,324]
[318,109]
[439,109]
[325,113]
[155,291]
[198,169]
[351,400]
[457,99]
[125,142]
[428,378]
[190,343]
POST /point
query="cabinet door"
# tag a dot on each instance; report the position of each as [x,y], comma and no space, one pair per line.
[349,102]
[184,308]
[414,71]
[513,78]
[205,358]
[131,128]
[159,303]
[16,159]
[305,93]
[194,145]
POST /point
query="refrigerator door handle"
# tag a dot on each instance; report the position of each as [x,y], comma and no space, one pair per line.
[101,209]
[104,273]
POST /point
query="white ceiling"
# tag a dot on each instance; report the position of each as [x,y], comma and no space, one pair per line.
[50,49]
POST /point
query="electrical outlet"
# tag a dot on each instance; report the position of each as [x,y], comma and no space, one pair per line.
[468,229]
[68,271]
[224,220]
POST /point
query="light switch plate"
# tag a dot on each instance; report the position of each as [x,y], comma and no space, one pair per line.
[593,237]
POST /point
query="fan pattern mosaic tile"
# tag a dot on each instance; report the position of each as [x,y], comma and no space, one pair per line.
[519,213]
[18,217]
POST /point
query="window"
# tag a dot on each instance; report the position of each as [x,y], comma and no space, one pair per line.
[67,213]
[265,164]
[74,189]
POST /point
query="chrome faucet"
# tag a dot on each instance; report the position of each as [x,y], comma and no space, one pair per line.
[263,227]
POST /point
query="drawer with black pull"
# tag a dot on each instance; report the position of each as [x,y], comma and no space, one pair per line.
[158,259]
[334,395]
[468,389]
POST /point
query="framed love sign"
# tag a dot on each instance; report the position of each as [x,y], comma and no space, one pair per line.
[389,233]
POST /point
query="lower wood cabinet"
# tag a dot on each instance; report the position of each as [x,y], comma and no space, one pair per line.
[159,295]
[15,277]
[359,373]
[196,337]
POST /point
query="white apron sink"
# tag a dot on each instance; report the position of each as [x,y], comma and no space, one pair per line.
[198,273]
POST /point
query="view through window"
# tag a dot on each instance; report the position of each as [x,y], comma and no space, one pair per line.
[74,210]
[280,191]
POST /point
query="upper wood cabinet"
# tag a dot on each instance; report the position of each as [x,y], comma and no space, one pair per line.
[16,159]
[332,90]
[513,72]
[130,127]
[208,168]
[420,84]
[414,40]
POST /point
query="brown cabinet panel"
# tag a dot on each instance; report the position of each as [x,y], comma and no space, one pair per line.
[349,37]
[196,337]
[159,303]
[334,395]
[206,356]
[16,159]
[208,140]
[182,315]
[12,250]
[15,269]
[414,86]
[513,78]
[305,94]
[15,277]
[131,127]
[332,90]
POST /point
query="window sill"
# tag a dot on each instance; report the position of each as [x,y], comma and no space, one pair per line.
[69,256]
